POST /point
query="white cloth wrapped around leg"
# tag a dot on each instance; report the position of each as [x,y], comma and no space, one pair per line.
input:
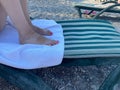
[31,56]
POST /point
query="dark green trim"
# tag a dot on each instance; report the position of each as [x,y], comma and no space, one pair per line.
[24,79]
[112,79]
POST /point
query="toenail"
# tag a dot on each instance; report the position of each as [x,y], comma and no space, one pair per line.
[51,33]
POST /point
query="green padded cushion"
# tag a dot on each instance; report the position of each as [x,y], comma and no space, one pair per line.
[90,38]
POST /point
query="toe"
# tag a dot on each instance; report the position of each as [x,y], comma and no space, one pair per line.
[52,43]
[48,32]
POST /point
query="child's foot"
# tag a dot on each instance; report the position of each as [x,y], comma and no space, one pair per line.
[42,31]
[35,38]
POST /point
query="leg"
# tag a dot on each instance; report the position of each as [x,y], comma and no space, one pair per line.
[38,30]
[118,1]
[3,16]
[24,27]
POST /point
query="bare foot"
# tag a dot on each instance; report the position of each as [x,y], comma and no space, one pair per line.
[42,31]
[35,38]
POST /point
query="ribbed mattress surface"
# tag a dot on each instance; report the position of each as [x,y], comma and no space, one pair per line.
[90,38]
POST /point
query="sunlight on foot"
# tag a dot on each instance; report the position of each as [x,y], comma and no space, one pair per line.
[35,38]
[42,31]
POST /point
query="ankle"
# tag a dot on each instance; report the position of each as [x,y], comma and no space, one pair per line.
[23,36]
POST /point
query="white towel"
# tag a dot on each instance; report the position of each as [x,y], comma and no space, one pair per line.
[31,56]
